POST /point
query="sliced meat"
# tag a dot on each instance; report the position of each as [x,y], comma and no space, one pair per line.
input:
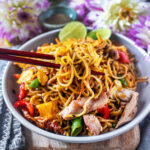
[92,123]
[53,126]
[125,95]
[114,54]
[73,108]
[94,104]
[130,110]
[76,106]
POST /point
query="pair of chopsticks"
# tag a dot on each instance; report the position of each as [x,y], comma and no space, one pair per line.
[18,56]
[14,55]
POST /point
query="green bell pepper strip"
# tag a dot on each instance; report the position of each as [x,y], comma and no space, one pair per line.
[77,126]
[35,83]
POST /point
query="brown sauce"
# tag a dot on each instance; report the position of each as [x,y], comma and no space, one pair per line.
[58,18]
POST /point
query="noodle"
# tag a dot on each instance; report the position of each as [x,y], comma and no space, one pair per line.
[74,79]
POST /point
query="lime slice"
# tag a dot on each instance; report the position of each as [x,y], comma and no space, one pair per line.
[74,29]
[105,33]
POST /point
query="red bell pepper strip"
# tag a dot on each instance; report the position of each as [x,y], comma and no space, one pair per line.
[21,91]
[104,111]
[123,57]
[17,76]
[26,105]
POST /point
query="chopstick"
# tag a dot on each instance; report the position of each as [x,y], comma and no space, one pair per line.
[13,55]
[29,61]
[27,54]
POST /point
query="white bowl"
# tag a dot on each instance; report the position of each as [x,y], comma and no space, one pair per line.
[9,85]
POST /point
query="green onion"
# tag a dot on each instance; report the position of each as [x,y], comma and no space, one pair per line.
[76,126]
[114,125]
[123,81]
[35,83]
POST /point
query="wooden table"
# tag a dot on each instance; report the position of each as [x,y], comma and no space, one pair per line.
[127,141]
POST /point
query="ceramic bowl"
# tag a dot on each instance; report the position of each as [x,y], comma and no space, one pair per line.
[9,86]
[59,9]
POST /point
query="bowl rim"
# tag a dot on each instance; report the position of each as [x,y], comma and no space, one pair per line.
[70,139]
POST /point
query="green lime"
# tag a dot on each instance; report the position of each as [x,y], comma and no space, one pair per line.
[74,29]
[105,33]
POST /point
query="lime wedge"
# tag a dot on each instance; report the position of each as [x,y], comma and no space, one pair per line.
[74,29]
[105,33]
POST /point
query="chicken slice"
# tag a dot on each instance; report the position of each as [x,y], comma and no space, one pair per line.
[125,95]
[92,123]
[76,106]
[130,109]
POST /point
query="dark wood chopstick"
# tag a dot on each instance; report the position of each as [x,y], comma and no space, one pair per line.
[14,55]
[26,54]
[28,61]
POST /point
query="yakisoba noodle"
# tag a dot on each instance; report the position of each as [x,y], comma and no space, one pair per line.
[74,80]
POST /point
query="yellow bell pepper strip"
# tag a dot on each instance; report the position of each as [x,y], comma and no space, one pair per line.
[48,110]
[42,77]
[26,76]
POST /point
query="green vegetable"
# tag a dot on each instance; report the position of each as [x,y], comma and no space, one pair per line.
[76,126]
[35,83]
[114,125]
[105,33]
[123,81]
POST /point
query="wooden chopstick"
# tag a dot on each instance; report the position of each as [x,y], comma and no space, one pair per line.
[28,61]
[26,54]
[13,55]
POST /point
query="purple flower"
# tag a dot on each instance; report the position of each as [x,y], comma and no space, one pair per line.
[24,16]
[94,5]
[19,19]
[140,32]
[84,9]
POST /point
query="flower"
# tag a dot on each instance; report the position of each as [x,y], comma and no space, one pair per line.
[119,15]
[87,10]
[140,32]
[19,19]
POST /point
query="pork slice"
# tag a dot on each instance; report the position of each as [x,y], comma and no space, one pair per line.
[72,109]
[92,123]
[94,104]
[76,106]
[130,110]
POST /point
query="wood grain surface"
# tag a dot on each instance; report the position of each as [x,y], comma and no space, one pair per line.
[127,141]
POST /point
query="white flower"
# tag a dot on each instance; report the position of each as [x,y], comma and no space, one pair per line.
[120,14]
[19,19]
